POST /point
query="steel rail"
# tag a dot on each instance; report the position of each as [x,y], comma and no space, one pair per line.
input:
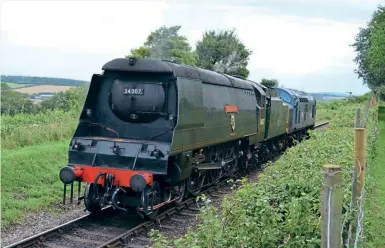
[39,238]
[322,124]
[145,226]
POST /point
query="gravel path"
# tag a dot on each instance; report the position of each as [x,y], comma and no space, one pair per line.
[38,222]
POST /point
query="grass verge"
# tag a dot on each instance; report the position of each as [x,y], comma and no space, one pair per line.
[30,179]
[375,210]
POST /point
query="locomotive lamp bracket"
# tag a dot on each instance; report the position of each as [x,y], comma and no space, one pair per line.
[116,149]
[157,153]
[78,146]
[132,61]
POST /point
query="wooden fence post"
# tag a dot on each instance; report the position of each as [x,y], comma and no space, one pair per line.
[331,207]
[359,158]
[359,167]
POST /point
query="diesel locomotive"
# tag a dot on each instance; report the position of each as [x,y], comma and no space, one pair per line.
[153,132]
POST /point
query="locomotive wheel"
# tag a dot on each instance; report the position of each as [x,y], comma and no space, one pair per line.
[181,190]
[245,165]
[307,135]
[195,183]
[233,167]
[155,197]
[91,204]
[215,176]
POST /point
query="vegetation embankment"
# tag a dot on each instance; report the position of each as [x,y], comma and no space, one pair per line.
[375,203]
[24,123]
[27,129]
[283,208]
[34,146]
[29,179]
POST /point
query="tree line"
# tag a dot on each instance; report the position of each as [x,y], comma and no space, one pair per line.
[13,102]
[369,45]
[220,51]
[42,80]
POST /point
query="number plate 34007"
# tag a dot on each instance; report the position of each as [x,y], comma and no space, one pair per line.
[133,91]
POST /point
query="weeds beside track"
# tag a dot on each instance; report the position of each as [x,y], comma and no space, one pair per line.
[283,208]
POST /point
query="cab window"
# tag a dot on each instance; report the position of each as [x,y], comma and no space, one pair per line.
[285,97]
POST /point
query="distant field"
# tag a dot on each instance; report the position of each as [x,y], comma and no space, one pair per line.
[14,85]
[43,88]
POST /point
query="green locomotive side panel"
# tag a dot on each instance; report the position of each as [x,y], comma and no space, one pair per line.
[202,118]
[278,118]
[247,120]
[190,113]
[217,123]
[220,125]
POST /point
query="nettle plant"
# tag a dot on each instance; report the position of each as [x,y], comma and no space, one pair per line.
[283,207]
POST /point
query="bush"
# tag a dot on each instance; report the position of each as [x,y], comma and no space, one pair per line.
[13,102]
[31,129]
[54,119]
[67,100]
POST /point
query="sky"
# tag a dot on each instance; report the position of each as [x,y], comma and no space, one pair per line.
[303,44]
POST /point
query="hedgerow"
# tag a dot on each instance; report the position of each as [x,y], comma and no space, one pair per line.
[31,129]
[283,208]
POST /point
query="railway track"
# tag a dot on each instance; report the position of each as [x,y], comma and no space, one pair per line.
[112,229]
[321,125]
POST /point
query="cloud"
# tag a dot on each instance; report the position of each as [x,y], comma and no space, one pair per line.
[81,26]
[283,44]
[291,40]
[297,46]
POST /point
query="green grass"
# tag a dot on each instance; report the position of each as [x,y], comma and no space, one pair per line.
[15,85]
[375,210]
[30,179]
[326,111]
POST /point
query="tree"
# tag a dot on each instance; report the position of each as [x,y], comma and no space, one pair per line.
[223,52]
[166,43]
[370,47]
[72,98]
[269,82]
[141,52]
[376,51]
[13,102]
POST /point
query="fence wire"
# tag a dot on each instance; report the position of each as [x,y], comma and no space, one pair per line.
[354,215]
[353,219]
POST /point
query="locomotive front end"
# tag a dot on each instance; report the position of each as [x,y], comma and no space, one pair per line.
[121,146]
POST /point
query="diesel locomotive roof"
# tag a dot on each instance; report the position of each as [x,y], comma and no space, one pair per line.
[299,94]
[178,70]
